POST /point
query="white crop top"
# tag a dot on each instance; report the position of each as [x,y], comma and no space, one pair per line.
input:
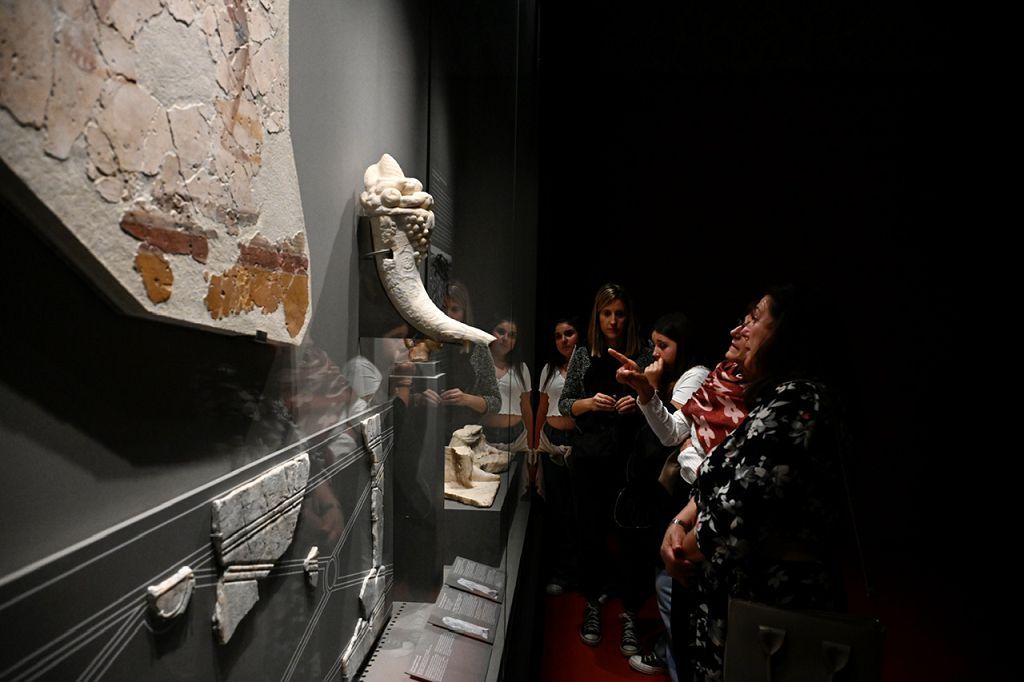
[511,389]
[553,389]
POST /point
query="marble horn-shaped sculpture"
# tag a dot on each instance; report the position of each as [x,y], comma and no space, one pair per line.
[401,221]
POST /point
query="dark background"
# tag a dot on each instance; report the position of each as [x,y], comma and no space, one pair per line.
[699,154]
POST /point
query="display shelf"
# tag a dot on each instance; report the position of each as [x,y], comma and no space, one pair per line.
[479,533]
[395,651]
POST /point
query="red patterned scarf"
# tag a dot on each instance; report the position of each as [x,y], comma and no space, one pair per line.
[717,407]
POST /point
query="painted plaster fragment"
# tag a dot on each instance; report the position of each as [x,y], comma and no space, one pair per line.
[234,601]
[265,277]
[167,110]
[136,125]
[26,59]
[166,235]
[181,10]
[191,134]
[118,53]
[101,153]
[112,189]
[259,25]
[156,273]
[127,16]
[169,598]
[78,77]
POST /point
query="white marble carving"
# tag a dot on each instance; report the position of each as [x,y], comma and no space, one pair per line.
[155,136]
[234,600]
[485,455]
[401,221]
[465,482]
[311,565]
[169,598]
[252,527]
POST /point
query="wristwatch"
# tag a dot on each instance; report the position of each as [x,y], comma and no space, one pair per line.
[677,522]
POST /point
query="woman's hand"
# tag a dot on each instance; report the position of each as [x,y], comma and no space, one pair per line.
[679,548]
[630,375]
[457,398]
[602,403]
[653,373]
[625,404]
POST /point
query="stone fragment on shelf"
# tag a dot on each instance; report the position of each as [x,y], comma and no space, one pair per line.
[170,598]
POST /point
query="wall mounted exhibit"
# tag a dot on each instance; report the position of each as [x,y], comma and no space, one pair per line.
[169,598]
[252,527]
[154,135]
[401,221]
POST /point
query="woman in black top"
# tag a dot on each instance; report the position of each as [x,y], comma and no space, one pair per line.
[607,420]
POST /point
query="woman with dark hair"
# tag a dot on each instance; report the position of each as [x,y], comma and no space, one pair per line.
[512,425]
[645,503]
[472,386]
[607,421]
[553,440]
[759,523]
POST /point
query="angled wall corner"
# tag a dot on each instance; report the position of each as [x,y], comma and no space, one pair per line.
[155,138]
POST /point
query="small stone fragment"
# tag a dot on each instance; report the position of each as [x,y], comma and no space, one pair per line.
[170,598]
[246,572]
[156,273]
[311,565]
[377,525]
[372,590]
[234,601]
[372,439]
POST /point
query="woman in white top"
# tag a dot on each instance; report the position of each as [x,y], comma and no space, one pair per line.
[554,439]
[513,424]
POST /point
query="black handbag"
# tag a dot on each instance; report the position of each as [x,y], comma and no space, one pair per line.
[768,644]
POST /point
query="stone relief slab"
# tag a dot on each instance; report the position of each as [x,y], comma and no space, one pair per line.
[252,527]
[156,132]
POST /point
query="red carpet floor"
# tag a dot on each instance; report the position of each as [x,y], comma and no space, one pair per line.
[567,659]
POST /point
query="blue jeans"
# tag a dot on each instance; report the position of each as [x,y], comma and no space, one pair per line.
[663,647]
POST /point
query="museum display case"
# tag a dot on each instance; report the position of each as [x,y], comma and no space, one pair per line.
[234,445]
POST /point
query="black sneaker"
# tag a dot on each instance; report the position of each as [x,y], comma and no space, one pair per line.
[590,631]
[629,645]
[649,664]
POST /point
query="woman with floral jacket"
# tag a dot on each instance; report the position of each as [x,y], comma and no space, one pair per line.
[762,512]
